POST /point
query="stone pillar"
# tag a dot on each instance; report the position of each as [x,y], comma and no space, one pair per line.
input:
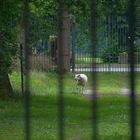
[123,58]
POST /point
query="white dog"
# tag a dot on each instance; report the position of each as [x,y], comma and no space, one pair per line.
[81,80]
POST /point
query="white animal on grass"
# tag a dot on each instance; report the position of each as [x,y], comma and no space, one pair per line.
[81,80]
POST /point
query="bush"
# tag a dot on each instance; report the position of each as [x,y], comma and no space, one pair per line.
[111,54]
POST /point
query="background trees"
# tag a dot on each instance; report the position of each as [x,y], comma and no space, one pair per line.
[8,36]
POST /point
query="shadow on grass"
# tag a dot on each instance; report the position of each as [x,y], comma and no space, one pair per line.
[113,117]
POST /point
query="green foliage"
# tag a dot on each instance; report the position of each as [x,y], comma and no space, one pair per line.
[107,7]
[8,32]
[138,18]
[43,16]
[109,56]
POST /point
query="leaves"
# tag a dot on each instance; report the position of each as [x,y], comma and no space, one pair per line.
[8,21]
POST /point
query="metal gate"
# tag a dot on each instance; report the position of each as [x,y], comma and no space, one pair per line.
[111,57]
[112,54]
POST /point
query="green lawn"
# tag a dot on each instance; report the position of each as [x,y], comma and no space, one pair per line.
[113,110]
[87,60]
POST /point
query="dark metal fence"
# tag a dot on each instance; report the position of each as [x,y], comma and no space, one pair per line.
[131,32]
[94,64]
[112,53]
[112,46]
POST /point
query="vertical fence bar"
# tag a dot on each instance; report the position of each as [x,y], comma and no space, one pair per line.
[131,25]
[27,86]
[60,69]
[73,42]
[94,77]
[21,68]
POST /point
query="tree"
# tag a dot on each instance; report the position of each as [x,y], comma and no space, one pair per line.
[47,10]
[7,41]
[138,18]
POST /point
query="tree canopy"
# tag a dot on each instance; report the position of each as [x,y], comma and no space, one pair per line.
[8,30]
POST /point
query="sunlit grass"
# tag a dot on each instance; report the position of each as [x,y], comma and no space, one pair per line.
[47,83]
[87,60]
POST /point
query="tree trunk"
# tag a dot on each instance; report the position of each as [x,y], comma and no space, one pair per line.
[5,85]
[64,37]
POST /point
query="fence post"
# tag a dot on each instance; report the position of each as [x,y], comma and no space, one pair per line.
[94,75]
[21,68]
[73,28]
[131,38]
[61,45]
[27,75]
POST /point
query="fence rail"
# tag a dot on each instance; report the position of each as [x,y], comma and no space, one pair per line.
[83,63]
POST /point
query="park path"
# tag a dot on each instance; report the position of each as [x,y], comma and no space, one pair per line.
[123,92]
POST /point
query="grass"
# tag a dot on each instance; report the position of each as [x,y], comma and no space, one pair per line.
[113,110]
[47,83]
[87,60]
